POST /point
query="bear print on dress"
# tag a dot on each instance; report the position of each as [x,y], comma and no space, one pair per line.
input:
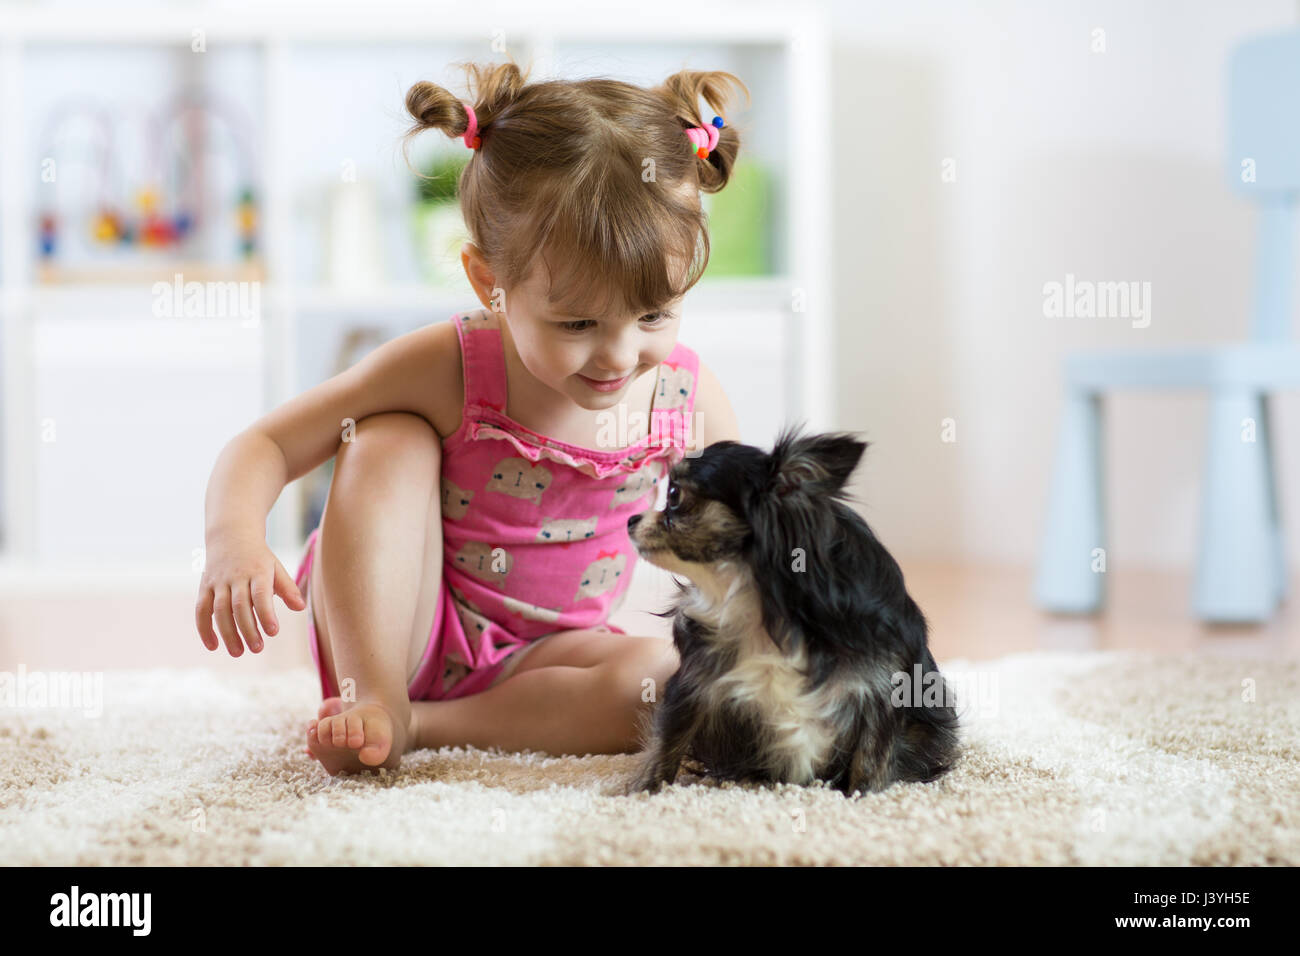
[474,624]
[455,500]
[675,386]
[638,484]
[463,600]
[477,625]
[520,478]
[531,612]
[454,670]
[564,530]
[602,574]
[488,637]
[485,562]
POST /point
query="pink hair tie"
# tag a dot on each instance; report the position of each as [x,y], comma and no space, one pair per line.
[705,138]
[471,137]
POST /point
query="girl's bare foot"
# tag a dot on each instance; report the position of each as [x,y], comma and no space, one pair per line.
[361,736]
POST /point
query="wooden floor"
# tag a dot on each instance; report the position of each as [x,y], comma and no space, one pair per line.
[975,612]
[982,612]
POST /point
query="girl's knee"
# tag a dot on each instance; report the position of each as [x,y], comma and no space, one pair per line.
[396,427]
[646,666]
[389,439]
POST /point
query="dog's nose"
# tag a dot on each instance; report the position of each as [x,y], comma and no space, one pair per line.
[631,522]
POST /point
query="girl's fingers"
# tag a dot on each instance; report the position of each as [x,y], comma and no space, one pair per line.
[287,588]
[203,619]
[226,621]
[242,601]
[264,604]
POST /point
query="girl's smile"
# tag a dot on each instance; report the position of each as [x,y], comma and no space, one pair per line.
[608,385]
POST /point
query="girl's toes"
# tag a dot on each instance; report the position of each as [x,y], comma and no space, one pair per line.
[378,743]
[356,731]
[334,731]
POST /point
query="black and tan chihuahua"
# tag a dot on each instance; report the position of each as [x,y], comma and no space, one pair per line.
[802,656]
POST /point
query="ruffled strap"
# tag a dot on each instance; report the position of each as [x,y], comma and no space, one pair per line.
[487,425]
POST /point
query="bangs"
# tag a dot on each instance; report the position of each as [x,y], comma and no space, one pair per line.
[634,252]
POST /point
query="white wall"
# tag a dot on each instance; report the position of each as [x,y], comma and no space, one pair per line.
[1110,166]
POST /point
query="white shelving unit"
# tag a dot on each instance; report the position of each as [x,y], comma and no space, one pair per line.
[106,486]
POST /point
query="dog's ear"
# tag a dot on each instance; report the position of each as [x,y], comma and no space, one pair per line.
[796,536]
[813,464]
[804,472]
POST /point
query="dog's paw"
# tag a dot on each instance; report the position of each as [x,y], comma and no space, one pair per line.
[642,782]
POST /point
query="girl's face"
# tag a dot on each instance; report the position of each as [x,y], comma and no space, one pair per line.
[573,355]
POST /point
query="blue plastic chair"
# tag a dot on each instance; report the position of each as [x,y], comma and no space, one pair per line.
[1241,572]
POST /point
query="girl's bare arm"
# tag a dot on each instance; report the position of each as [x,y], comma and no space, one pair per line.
[409,374]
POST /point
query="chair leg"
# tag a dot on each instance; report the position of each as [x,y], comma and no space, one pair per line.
[1070,576]
[1281,575]
[1235,576]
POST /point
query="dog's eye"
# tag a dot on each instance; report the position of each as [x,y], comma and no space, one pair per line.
[674,496]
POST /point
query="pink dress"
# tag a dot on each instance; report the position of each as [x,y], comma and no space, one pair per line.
[534,530]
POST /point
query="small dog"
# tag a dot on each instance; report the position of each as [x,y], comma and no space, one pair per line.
[802,656]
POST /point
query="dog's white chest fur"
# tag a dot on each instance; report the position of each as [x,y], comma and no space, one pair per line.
[763,679]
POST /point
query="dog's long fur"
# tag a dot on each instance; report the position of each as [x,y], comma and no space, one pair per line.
[793,630]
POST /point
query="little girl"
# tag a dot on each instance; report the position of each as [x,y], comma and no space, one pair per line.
[474,541]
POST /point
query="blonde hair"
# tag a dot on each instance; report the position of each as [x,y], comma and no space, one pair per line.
[562,176]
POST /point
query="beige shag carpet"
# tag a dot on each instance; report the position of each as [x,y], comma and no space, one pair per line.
[1114,758]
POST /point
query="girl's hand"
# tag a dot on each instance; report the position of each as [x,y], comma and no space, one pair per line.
[242,574]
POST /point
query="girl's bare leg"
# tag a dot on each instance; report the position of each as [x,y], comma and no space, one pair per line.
[578,692]
[374,586]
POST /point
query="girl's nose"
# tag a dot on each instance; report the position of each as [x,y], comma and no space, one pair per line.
[619,353]
[615,365]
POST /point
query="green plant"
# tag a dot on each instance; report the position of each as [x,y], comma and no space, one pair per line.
[437,180]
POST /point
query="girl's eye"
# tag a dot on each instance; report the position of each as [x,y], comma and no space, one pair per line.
[656,318]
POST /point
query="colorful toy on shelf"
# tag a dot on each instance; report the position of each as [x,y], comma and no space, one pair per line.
[48,234]
[180,138]
[247,217]
[154,229]
[107,226]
